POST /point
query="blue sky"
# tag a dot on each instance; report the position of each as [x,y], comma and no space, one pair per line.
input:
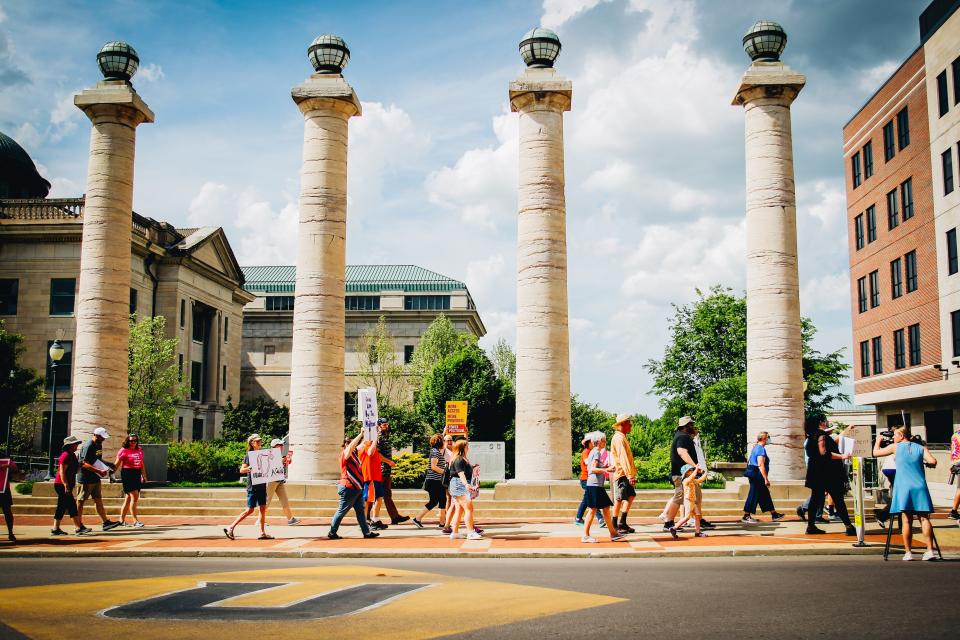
[654,149]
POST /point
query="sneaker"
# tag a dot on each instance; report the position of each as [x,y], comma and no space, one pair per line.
[776,517]
[814,531]
[138,525]
[108,525]
[673,532]
[371,534]
[454,536]
[588,540]
[624,528]
[667,526]
[11,537]
[293,521]
[474,536]
[578,522]
[441,526]
[447,531]
[953,515]
[700,534]
[851,531]
[399,520]
[478,530]
[907,557]
[618,539]
[417,524]
[378,526]
[334,536]
[603,524]
[706,524]
[123,523]
[929,556]
[84,530]
[801,513]
[58,532]
[748,519]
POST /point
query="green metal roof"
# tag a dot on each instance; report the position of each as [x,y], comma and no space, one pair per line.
[361,278]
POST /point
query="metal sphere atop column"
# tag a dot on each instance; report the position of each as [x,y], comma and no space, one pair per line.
[765,41]
[328,54]
[118,61]
[540,48]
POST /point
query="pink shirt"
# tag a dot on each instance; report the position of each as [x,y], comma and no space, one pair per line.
[131,458]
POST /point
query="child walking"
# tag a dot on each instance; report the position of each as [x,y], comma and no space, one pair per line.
[692,500]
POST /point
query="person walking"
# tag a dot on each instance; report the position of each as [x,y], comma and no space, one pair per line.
[452,506]
[682,451]
[584,475]
[256,494]
[955,471]
[63,483]
[350,488]
[7,467]
[692,500]
[92,470]
[278,487]
[370,465]
[758,473]
[624,473]
[599,464]
[133,475]
[910,495]
[461,480]
[433,483]
[386,471]
[824,474]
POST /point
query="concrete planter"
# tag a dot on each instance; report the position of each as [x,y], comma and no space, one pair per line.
[155,461]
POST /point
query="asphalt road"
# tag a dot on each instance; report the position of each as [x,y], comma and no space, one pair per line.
[706,598]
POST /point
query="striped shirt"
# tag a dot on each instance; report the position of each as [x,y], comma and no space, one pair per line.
[435,454]
[351,476]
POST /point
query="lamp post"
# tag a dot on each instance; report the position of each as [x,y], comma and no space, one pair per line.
[56,353]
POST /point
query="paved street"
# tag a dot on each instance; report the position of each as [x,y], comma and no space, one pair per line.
[544,598]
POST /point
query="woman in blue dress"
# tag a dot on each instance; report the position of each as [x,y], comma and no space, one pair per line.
[910,495]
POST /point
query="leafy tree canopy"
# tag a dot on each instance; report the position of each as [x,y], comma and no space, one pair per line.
[154,382]
[18,386]
[504,362]
[441,339]
[260,415]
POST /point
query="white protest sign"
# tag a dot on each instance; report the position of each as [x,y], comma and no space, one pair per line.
[367,405]
[266,465]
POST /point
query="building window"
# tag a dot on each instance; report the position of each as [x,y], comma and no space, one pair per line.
[62,295]
[867,160]
[955,67]
[952,266]
[223,378]
[903,129]
[133,301]
[896,279]
[8,297]
[865,358]
[955,326]
[268,350]
[196,381]
[862,294]
[64,367]
[889,150]
[183,313]
[226,329]
[911,260]
[874,289]
[426,303]
[914,335]
[279,303]
[197,429]
[858,230]
[906,198]
[899,350]
[855,169]
[199,327]
[179,428]
[362,303]
[407,353]
[947,162]
[893,215]
[942,98]
[877,355]
[871,224]
[350,405]
[180,367]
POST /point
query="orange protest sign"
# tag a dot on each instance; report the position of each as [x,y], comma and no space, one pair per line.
[456,416]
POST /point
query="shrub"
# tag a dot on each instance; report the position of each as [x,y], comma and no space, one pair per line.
[25,488]
[204,461]
[656,467]
[410,470]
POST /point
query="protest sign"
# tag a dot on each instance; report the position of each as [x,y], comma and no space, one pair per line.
[367,407]
[266,465]
[457,416]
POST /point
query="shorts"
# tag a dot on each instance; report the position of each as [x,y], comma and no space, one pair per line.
[131,479]
[257,496]
[677,490]
[88,490]
[458,489]
[437,493]
[597,498]
[378,491]
[622,489]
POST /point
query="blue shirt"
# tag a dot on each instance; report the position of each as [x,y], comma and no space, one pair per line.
[757,451]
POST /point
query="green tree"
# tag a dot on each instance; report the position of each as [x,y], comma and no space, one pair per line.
[27,425]
[19,387]
[155,386]
[468,375]
[261,415]
[585,418]
[441,339]
[703,370]
[381,367]
[504,362]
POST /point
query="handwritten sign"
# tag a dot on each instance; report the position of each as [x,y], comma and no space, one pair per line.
[456,416]
[266,465]
[367,406]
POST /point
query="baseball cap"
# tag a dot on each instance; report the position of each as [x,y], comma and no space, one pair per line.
[100,431]
[685,421]
[275,442]
[253,436]
[382,421]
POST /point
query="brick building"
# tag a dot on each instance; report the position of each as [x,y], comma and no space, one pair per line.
[900,153]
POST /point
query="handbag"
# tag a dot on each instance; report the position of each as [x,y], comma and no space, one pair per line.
[752,471]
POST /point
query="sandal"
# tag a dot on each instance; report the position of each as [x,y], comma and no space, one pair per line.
[266,536]
[229,534]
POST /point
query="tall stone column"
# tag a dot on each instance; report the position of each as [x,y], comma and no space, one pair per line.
[541,96]
[774,353]
[103,307]
[317,367]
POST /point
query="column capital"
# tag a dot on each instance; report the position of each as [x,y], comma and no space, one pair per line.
[541,86]
[326,90]
[113,100]
[773,81]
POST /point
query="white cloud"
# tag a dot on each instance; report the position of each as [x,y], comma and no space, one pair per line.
[28,136]
[485,279]
[830,292]
[556,12]
[876,75]
[151,73]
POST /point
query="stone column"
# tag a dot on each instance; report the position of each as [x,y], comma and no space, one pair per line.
[543,452]
[103,306]
[774,354]
[317,367]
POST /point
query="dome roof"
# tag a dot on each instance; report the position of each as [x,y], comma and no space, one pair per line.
[19,177]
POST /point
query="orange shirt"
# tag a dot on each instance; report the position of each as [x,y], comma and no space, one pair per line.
[583,463]
[370,465]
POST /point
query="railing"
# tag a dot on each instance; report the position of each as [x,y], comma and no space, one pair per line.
[34,467]
[42,209]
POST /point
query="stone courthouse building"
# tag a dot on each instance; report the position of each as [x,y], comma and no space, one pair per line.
[407,296]
[189,276]
[901,152]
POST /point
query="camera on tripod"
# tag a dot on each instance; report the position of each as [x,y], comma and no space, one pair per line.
[886,439]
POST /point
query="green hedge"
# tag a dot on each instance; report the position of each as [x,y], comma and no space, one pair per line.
[205,461]
[655,468]
[410,470]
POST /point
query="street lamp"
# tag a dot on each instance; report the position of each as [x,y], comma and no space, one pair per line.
[56,352]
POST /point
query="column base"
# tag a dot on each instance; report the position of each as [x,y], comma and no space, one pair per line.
[538,490]
[312,489]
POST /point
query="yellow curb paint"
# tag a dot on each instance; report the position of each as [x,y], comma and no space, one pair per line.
[30,610]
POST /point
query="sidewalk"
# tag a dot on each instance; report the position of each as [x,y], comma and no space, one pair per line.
[203,536]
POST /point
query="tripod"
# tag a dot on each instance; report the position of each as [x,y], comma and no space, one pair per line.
[886,548]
